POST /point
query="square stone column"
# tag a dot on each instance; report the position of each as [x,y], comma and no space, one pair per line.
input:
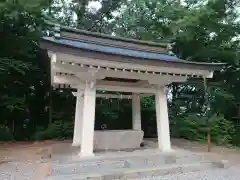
[162,120]
[88,119]
[136,112]
[78,119]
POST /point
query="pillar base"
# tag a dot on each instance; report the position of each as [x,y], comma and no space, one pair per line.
[76,144]
[166,150]
[86,155]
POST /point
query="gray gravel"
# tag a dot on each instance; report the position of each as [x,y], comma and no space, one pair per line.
[232,173]
[19,171]
[27,171]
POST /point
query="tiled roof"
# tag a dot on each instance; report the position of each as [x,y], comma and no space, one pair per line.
[113,50]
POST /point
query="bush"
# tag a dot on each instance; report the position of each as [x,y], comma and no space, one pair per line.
[5,134]
[236,136]
[194,127]
[57,130]
[222,130]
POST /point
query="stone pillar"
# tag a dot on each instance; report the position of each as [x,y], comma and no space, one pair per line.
[78,119]
[162,120]
[88,119]
[136,112]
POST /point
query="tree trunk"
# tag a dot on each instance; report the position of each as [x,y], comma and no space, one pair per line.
[209,139]
[206,114]
[13,127]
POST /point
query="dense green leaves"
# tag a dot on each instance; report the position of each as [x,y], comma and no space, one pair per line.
[193,127]
[22,67]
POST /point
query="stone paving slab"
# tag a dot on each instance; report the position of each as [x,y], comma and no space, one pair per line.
[129,167]
[72,159]
[131,174]
[146,160]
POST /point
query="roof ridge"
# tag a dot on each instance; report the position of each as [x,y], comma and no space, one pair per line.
[102,35]
[117,46]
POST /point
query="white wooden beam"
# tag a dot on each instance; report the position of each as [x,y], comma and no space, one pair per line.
[114,83]
[87,73]
[125,89]
[167,80]
[114,96]
[77,82]
[109,96]
[53,57]
[105,63]
[141,83]
[84,73]
[60,70]
[75,69]
[66,80]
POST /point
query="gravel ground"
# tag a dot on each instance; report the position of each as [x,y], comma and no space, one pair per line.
[232,173]
[23,170]
[28,172]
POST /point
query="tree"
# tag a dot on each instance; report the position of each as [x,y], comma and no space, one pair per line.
[78,14]
[22,67]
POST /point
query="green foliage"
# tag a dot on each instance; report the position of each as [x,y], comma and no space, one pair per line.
[222,130]
[193,127]
[22,67]
[236,135]
[5,134]
[148,102]
[80,15]
[57,130]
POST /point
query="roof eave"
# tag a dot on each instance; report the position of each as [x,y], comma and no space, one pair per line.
[204,66]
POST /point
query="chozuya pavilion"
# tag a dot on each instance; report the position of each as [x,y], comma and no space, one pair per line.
[92,62]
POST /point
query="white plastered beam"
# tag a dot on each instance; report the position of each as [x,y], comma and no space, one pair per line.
[66,80]
[110,96]
[84,73]
[105,63]
[77,82]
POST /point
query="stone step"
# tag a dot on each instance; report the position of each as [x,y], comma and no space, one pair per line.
[123,163]
[142,173]
[69,159]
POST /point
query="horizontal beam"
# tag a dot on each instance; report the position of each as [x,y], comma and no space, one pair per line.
[59,79]
[113,96]
[135,66]
[86,72]
[68,79]
[76,82]
[110,96]
[68,68]
[115,83]
[125,89]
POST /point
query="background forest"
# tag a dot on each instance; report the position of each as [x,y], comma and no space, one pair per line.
[200,30]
